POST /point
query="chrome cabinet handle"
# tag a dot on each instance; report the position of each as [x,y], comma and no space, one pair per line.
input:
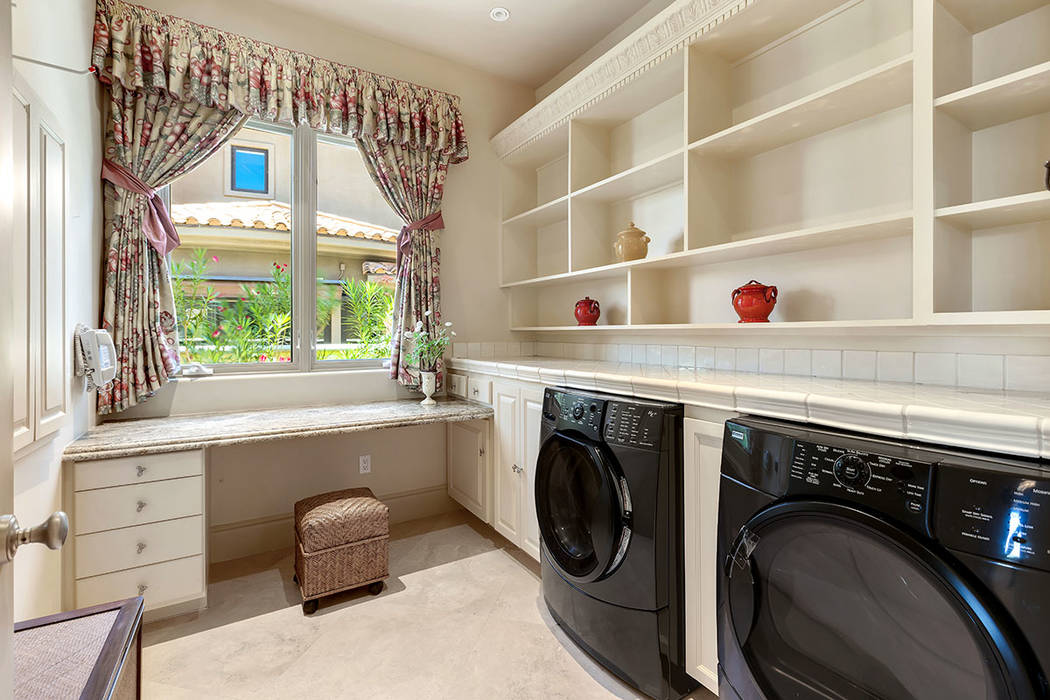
[143,588]
[52,533]
[140,470]
[141,505]
[140,546]
[517,469]
[475,391]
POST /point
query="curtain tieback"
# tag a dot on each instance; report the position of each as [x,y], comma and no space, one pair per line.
[157,224]
[434,222]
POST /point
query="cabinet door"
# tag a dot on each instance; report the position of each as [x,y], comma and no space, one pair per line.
[703,460]
[467,482]
[507,482]
[531,418]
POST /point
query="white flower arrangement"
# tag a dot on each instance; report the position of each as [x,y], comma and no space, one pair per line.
[426,349]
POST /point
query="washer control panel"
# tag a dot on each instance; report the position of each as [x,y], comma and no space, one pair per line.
[999,515]
[633,425]
[575,411]
[893,485]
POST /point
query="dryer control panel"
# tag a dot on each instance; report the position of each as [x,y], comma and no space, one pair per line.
[633,425]
[894,485]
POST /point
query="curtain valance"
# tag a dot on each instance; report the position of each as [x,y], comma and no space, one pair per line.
[144,49]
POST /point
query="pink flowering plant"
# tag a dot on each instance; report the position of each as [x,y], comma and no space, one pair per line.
[426,348]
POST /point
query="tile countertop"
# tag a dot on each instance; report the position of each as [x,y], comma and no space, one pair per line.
[176,433]
[1015,423]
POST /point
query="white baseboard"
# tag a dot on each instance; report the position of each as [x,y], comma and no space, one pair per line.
[258,535]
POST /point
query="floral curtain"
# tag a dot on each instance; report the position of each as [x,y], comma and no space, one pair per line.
[153,138]
[179,90]
[412,182]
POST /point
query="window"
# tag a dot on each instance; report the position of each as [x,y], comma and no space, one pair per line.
[248,168]
[277,270]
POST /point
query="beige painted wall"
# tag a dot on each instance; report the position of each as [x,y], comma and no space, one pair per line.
[59,31]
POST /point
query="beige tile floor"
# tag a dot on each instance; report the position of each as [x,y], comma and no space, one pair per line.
[462,617]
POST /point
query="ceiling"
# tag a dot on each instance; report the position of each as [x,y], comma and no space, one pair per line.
[541,37]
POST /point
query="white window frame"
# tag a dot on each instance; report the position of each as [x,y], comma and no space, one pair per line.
[227,168]
[303,263]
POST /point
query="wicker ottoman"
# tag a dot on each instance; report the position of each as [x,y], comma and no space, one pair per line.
[341,540]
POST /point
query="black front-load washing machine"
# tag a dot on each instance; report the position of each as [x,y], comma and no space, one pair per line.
[858,567]
[609,508]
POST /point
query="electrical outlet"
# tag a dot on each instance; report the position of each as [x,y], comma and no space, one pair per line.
[366,464]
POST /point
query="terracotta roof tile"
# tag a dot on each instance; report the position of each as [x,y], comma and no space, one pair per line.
[274,216]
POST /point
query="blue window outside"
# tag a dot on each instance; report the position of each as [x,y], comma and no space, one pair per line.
[250,171]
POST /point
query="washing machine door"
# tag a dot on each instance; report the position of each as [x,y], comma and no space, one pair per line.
[583,507]
[827,601]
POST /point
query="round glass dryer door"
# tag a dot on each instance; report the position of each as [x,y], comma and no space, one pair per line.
[578,508]
[826,607]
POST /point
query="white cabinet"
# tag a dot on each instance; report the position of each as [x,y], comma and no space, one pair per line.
[40,368]
[703,458]
[468,480]
[531,419]
[506,469]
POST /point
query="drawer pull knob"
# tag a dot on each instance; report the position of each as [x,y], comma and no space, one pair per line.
[140,470]
[141,505]
[142,588]
[140,546]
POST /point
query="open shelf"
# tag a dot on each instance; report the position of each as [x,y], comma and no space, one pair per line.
[978,15]
[1000,100]
[1004,211]
[870,228]
[761,24]
[547,213]
[536,175]
[872,92]
[656,174]
[759,328]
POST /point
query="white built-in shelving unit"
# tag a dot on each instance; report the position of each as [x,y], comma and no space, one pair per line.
[880,161]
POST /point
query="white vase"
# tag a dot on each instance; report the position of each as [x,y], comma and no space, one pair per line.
[428,385]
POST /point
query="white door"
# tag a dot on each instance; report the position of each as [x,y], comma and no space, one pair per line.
[531,419]
[6,395]
[466,466]
[506,472]
[703,460]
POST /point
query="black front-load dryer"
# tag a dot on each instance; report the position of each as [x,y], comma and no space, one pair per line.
[608,504]
[856,567]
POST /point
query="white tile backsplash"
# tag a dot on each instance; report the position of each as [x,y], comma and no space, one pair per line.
[653,354]
[686,356]
[725,358]
[981,371]
[1028,373]
[771,361]
[858,364]
[705,357]
[827,363]
[669,355]
[895,366]
[747,359]
[935,368]
[798,362]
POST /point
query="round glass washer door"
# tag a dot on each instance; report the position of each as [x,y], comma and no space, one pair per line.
[824,606]
[578,508]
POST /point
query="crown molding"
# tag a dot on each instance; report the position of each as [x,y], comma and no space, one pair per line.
[664,35]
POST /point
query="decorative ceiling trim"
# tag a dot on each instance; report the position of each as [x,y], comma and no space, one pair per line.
[661,37]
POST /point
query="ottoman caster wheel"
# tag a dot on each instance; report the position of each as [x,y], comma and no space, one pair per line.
[310,606]
[375,588]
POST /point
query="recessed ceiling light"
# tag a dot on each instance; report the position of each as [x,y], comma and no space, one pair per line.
[499,14]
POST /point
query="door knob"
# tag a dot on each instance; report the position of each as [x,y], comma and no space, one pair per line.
[52,532]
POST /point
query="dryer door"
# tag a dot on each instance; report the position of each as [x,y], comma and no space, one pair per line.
[827,601]
[582,507]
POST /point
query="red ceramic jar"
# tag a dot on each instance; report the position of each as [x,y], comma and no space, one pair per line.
[754,302]
[587,312]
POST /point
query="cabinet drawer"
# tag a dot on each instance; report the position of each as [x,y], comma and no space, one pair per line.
[135,470]
[160,584]
[457,385]
[137,504]
[479,389]
[129,547]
